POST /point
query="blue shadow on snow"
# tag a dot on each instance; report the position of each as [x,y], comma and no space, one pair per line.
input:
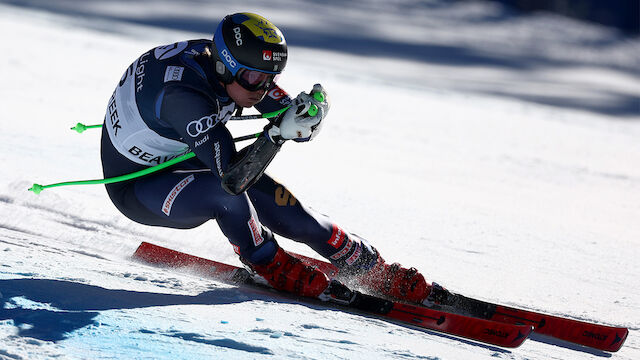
[78,304]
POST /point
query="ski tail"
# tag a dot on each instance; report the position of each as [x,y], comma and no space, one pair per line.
[161,256]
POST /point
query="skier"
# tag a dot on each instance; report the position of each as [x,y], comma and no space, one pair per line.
[177,98]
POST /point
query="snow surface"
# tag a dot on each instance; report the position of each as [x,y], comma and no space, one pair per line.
[502,149]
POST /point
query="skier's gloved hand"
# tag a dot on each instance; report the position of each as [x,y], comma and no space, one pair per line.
[297,123]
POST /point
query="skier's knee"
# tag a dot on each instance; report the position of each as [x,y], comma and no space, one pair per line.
[231,206]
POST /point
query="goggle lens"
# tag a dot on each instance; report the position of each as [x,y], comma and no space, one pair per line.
[253,80]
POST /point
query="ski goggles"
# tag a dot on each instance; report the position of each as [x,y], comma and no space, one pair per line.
[254,80]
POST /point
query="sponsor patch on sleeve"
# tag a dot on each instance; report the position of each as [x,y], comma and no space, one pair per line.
[173,73]
[276,93]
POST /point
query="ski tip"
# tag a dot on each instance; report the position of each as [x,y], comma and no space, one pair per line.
[618,340]
[523,334]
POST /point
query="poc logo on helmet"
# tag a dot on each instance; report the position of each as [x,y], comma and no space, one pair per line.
[236,31]
[228,57]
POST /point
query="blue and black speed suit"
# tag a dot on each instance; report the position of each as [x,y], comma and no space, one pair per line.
[168,103]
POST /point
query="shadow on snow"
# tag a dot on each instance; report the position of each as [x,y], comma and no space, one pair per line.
[78,304]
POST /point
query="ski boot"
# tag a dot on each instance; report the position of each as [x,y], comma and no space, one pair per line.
[361,266]
[396,282]
[287,273]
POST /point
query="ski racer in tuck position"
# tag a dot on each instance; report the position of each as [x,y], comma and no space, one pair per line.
[177,98]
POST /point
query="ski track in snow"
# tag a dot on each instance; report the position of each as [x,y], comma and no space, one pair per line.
[495,196]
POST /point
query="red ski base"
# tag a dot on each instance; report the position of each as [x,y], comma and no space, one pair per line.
[486,331]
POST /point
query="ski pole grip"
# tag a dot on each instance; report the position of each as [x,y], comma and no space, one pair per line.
[313,109]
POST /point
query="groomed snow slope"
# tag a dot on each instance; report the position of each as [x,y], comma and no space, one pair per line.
[444,165]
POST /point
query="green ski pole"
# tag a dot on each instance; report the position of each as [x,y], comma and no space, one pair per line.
[80,128]
[37,188]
